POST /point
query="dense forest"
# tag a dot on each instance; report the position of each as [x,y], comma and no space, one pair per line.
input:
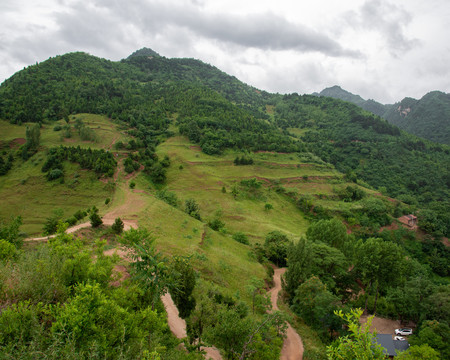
[428,118]
[347,259]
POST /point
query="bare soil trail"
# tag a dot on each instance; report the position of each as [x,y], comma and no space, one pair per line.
[292,346]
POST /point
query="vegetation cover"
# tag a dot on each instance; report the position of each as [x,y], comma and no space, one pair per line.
[230,180]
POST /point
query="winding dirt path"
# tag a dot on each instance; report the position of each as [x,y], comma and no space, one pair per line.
[292,346]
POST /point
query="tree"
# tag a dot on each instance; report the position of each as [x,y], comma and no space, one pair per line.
[95,218]
[243,338]
[332,232]
[315,304]
[275,245]
[33,135]
[184,279]
[299,264]
[117,227]
[419,352]
[328,263]
[434,334]
[376,262]
[151,269]
[360,344]
[409,299]
[51,225]
[260,299]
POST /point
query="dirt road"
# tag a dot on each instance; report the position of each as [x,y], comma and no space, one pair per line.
[292,346]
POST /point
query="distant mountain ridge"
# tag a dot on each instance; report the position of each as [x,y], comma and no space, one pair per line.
[428,117]
[373,106]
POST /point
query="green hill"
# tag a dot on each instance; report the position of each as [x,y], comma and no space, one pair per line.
[428,117]
[228,180]
[373,106]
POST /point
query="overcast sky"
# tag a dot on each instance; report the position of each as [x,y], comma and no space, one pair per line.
[380,49]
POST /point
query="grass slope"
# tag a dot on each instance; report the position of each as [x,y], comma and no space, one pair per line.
[25,191]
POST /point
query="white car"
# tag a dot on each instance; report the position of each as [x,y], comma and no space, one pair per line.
[401,338]
[403,331]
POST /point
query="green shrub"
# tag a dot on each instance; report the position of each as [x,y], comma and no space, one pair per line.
[192,209]
[55,174]
[117,227]
[7,250]
[168,197]
[241,237]
[216,224]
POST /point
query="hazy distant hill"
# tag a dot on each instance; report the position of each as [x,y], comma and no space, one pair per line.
[337,92]
[428,117]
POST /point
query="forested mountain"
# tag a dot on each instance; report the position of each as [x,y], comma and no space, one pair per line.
[373,106]
[428,117]
[219,112]
[221,182]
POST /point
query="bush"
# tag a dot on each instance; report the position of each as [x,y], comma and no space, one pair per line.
[55,174]
[132,185]
[118,225]
[95,218]
[7,250]
[71,221]
[241,238]
[268,207]
[80,214]
[192,209]
[168,197]
[216,224]
[107,201]
[57,128]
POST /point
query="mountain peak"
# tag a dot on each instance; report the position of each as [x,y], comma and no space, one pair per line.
[144,52]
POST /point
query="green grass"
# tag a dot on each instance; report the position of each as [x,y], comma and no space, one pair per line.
[106,131]
[26,192]
[218,258]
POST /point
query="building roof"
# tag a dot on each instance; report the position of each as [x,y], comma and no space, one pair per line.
[390,346]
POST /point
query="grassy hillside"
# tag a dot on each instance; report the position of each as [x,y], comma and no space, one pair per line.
[229,178]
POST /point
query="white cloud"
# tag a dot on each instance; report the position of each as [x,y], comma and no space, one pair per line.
[377,48]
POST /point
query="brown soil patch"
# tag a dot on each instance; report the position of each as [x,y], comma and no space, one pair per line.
[16,142]
[384,326]
[203,236]
[269,152]
[223,162]
[195,147]
[121,273]
[235,217]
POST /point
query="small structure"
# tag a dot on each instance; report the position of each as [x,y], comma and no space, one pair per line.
[408,220]
[390,346]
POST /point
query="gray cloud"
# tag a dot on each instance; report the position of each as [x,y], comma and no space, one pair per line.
[266,31]
[388,19]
